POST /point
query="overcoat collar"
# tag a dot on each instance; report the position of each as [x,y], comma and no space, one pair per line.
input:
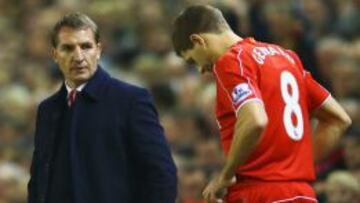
[92,88]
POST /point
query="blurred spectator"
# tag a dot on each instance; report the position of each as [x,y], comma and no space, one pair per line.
[348,21]
[346,77]
[192,180]
[342,187]
[290,28]
[317,13]
[13,180]
[258,25]
[329,50]
[206,148]
[352,152]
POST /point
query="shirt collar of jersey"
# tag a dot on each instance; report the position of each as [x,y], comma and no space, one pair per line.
[245,40]
[250,40]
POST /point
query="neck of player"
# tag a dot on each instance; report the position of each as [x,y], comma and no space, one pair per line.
[222,42]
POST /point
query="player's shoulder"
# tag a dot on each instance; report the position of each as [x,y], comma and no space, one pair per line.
[231,59]
[228,57]
[228,62]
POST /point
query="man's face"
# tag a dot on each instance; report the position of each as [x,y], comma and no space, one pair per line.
[77,54]
[199,56]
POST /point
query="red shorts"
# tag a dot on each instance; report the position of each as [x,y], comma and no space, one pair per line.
[271,192]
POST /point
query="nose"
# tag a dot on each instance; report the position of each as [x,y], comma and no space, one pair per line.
[78,55]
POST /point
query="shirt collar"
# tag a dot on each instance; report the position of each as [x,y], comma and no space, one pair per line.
[79,88]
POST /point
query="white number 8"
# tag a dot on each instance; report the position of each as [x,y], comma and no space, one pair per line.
[292,106]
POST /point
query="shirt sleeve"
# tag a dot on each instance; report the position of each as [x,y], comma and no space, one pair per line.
[316,93]
[237,77]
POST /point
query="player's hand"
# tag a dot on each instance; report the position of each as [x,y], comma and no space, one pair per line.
[216,189]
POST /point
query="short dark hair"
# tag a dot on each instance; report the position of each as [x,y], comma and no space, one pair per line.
[196,19]
[77,21]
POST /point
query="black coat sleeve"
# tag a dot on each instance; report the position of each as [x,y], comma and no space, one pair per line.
[32,185]
[155,168]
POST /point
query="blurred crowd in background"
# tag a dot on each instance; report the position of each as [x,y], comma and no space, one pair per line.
[137,49]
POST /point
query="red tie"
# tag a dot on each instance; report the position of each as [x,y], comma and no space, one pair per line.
[72,97]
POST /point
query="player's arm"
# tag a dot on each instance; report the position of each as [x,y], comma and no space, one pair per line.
[251,121]
[238,77]
[249,126]
[333,121]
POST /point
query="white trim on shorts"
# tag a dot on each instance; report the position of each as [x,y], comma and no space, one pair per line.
[295,198]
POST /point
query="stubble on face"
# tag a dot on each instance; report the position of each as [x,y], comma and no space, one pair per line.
[198,58]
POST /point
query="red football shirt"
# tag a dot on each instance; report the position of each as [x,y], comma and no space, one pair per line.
[252,71]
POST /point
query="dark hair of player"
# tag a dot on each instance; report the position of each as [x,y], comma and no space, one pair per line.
[195,20]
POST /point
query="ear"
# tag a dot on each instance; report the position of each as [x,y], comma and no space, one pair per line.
[197,39]
[54,54]
[99,47]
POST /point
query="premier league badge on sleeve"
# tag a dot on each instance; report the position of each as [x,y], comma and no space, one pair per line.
[240,92]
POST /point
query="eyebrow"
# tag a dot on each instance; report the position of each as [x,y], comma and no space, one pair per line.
[66,45]
[74,44]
